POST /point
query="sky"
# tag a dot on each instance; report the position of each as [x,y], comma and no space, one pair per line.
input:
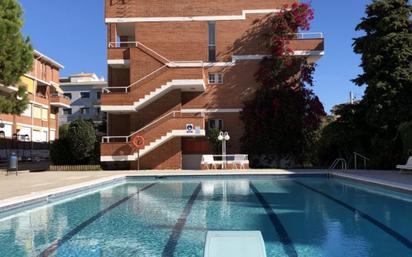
[73,33]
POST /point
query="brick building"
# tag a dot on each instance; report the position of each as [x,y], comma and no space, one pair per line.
[174,63]
[40,121]
[29,134]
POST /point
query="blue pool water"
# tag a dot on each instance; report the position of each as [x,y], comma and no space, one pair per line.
[298,216]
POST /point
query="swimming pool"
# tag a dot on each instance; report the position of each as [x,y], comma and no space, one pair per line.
[298,216]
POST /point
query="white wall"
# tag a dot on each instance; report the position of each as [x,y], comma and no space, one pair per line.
[25,131]
[39,136]
[7,130]
[52,135]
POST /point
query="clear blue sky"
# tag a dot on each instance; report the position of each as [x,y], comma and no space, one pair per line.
[73,33]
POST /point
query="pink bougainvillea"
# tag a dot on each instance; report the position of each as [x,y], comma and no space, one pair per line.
[284,113]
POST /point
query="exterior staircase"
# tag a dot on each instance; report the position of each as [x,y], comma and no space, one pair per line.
[183,75]
[156,133]
[129,99]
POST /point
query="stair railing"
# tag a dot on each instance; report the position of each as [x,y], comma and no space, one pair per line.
[126,139]
[167,63]
[336,162]
[364,158]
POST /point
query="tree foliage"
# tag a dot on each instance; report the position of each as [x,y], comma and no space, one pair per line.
[82,140]
[212,136]
[15,103]
[376,126]
[405,132]
[76,144]
[386,50]
[16,55]
[282,118]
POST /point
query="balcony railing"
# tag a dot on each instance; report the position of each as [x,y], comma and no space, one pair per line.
[60,100]
[60,95]
[121,44]
[309,35]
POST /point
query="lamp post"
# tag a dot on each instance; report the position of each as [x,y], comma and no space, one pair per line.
[223,136]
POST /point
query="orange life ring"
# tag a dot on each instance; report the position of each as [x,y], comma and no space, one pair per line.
[137,142]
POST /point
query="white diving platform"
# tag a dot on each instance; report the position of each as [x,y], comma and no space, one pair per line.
[234,244]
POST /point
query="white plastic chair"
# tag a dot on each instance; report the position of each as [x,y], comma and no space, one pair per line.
[240,160]
[407,166]
[208,161]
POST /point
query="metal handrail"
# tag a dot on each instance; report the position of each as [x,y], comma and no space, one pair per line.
[126,89]
[309,35]
[335,163]
[365,159]
[106,139]
[116,44]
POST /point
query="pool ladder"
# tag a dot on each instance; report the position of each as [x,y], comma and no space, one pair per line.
[336,162]
[364,158]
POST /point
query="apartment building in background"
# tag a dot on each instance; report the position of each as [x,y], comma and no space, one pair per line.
[84,91]
[40,121]
[178,68]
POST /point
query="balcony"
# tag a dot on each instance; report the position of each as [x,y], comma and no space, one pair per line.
[8,89]
[308,44]
[59,100]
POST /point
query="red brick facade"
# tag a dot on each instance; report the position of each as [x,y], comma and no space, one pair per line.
[40,122]
[162,64]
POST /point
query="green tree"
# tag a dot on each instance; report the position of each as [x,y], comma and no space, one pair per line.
[212,136]
[82,138]
[16,56]
[405,132]
[386,54]
[60,152]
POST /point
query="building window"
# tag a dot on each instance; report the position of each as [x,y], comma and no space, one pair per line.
[84,94]
[44,114]
[98,95]
[84,110]
[37,112]
[212,41]
[98,110]
[68,95]
[215,78]
[215,123]
[67,111]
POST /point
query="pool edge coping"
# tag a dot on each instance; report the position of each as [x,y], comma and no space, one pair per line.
[373,181]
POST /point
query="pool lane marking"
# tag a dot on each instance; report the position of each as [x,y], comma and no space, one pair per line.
[403,240]
[170,247]
[58,242]
[287,243]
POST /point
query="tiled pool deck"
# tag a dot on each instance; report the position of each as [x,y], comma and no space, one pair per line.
[27,187]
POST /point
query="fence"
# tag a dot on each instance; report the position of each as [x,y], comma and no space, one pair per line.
[25,150]
[75,168]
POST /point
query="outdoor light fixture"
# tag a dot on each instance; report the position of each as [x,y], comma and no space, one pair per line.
[223,136]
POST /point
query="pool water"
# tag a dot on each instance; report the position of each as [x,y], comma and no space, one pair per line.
[298,216]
